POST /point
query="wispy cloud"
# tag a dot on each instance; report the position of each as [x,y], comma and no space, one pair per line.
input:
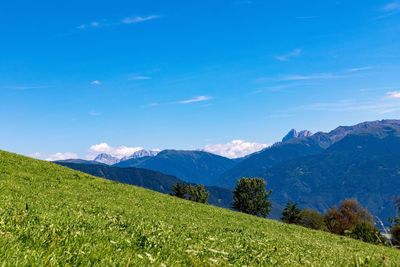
[307,17]
[285,57]
[93,24]
[94,113]
[196,99]
[359,69]
[393,95]
[124,21]
[389,10]
[316,76]
[138,19]
[96,82]
[385,105]
[243,2]
[137,77]
[154,104]
[391,7]
[24,87]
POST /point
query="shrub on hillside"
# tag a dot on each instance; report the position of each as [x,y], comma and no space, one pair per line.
[291,214]
[252,197]
[395,231]
[312,219]
[179,190]
[350,213]
[198,193]
[367,232]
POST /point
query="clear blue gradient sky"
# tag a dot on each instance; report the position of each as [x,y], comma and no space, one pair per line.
[185,74]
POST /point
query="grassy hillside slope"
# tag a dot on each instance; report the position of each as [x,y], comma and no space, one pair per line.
[51,215]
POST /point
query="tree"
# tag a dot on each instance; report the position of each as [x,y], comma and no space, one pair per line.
[198,193]
[291,213]
[312,219]
[367,232]
[179,190]
[252,197]
[397,205]
[349,214]
[395,231]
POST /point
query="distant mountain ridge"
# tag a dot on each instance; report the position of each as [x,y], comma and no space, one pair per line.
[141,154]
[109,159]
[190,166]
[106,159]
[293,134]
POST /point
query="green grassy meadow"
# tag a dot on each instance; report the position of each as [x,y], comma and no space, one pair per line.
[50,215]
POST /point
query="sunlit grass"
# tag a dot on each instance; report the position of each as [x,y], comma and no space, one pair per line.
[50,215]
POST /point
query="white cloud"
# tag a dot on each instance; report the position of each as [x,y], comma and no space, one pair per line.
[95,82]
[307,17]
[119,152]
[24,87]
[391,7]
[138,19]
[319,76]
[195,99]
[94,113]
[93,24]
[389,10]
[235,148]
[387,104]
[393,95]
[288,56]
[359,69]
[54,157]
[139,78]
[350,72]
[155,104]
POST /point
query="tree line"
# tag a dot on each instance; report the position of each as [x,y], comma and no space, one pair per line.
[349,219]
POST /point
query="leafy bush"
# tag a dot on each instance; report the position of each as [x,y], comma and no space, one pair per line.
[252,197]
[395,231]
[291,214]
[312,219]
[179,190]
[349,214]
[367,232]
[198,193]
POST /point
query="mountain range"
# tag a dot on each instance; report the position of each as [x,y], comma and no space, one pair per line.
[111,160]
[191,166]
[320,170]
[315,170]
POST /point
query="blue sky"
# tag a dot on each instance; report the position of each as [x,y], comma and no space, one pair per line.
[187,74]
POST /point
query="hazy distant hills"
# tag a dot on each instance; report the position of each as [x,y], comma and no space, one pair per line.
[191,166]
[146,178]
